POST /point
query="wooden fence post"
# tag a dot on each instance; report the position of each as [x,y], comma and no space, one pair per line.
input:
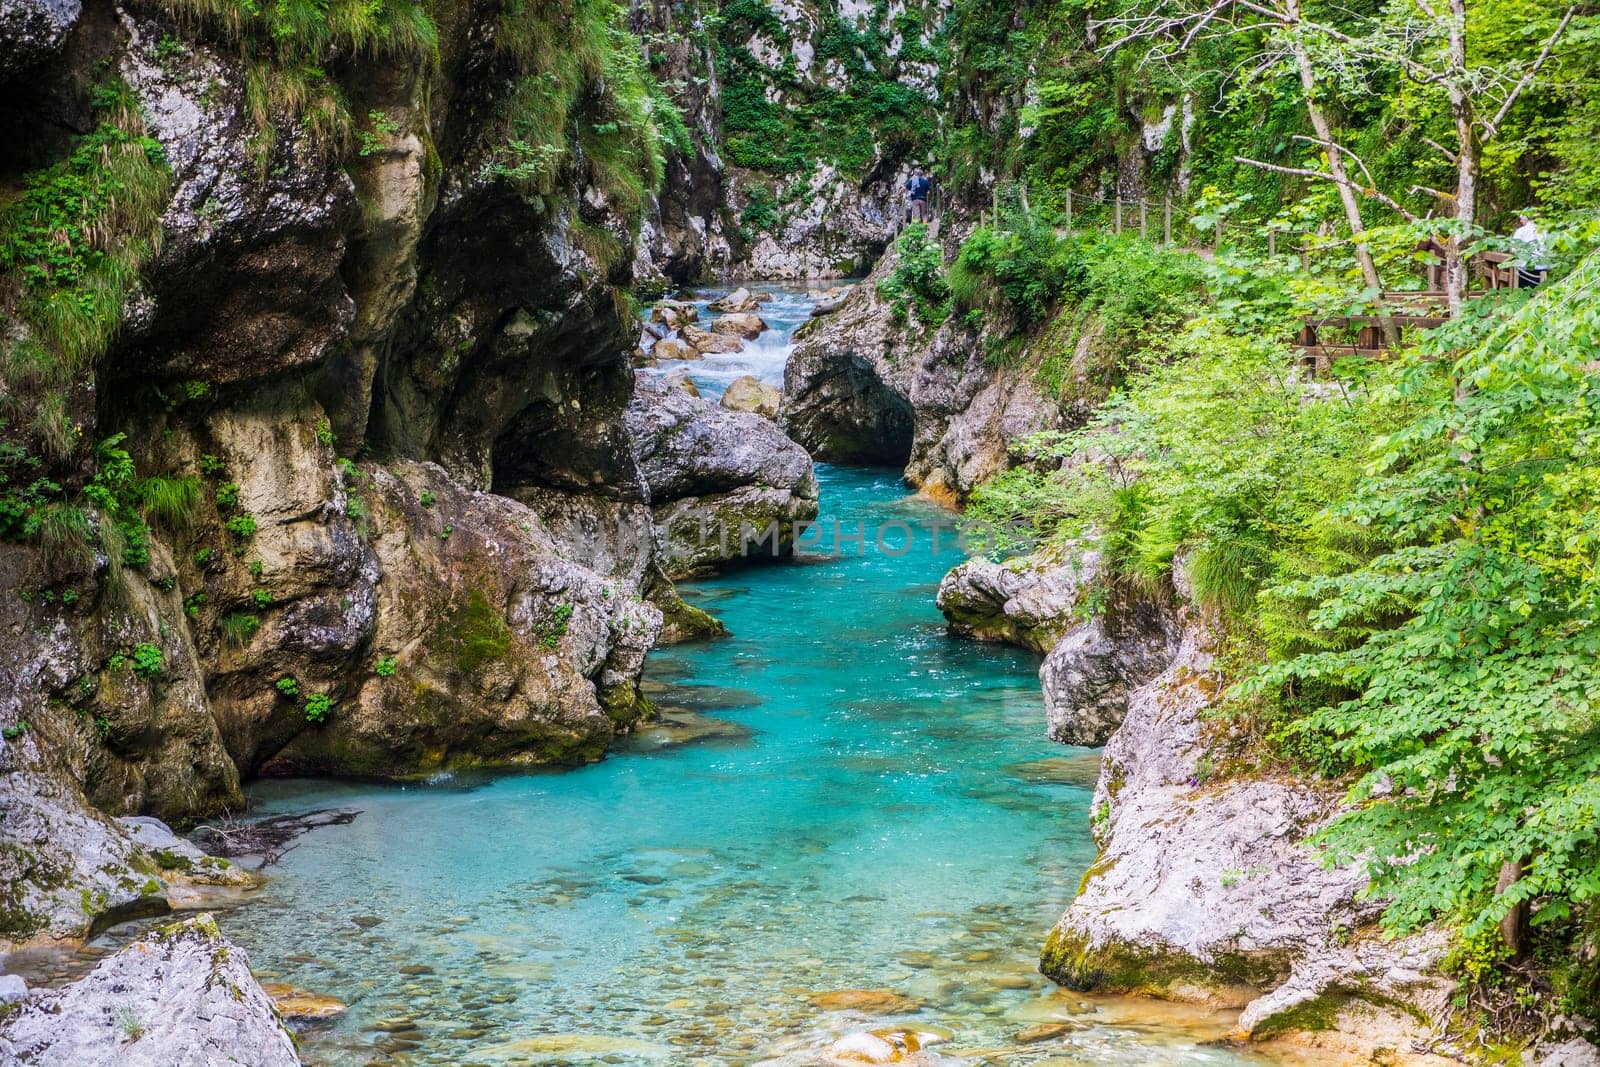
[1069,210]
[1166,219]
[1272,241]
[1141,218]
[1119,215]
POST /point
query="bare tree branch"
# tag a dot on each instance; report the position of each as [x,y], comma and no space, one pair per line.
[1305,172]
[1492,127]
[1441,149]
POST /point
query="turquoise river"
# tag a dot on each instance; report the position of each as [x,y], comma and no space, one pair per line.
[840,796]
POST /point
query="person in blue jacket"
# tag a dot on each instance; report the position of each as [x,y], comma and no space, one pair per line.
[917,188]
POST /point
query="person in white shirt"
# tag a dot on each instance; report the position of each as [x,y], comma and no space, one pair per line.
[1534,259]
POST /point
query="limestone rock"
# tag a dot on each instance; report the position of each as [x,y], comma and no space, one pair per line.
[507,652]
[1031,601]
[719,480]
[181,997]
[1209,890]
[751,394]
[710,344]
[1574,1052]
[863,388]
[672,348]
[747,326]
[1092,661]
[740,300]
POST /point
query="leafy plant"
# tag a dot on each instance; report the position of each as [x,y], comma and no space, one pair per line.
[148,661]
[287,686]
[262,598]
[385,667]
[242,526]
[227,496]
[15,730]
[318,706]
[916,286]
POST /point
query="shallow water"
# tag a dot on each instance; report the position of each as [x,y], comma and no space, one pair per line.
[843,796]
[764,357]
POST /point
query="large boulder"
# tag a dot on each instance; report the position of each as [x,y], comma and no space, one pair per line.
[1207,889]
[31,30]
[181,997]
[708,343]
[499,648]
[1030,601]
[724,485]
[747,326]
[740,300]
[753,395]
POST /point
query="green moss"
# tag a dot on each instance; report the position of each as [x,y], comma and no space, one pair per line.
[474,634]
[1068,959]
[168,860]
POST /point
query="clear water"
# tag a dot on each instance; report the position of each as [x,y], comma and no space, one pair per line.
[763,357]
[842,796]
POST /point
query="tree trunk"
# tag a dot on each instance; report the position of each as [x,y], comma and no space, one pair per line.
[1347,194]
[1512,924]
[1456,278]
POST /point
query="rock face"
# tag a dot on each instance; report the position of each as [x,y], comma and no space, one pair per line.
[472,592]
[1208,891]
[31,30]
[724,485]
[738,200]
[863,388]
[182,997]
[1099,644]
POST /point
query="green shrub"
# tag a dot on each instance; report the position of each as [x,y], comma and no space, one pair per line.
[916,287]
[1021,271]
[317,707]
[227,496]
[426,498]
[287,686]
[386,667]
[148,661]
[242,526]
[262,598]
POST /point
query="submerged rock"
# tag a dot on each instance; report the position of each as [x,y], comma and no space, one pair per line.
[672,348]
[1210,892]
[707,343]
[181,997]
[868,1001]
[303,1006]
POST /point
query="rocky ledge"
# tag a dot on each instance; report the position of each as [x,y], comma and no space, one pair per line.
[181,997]
[1099,642]
[1207,890]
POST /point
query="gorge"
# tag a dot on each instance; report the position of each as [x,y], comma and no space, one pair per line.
[1143,616]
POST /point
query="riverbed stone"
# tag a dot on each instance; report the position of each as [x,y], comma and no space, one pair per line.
[293,1002]
[867,1001]
[707,343]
